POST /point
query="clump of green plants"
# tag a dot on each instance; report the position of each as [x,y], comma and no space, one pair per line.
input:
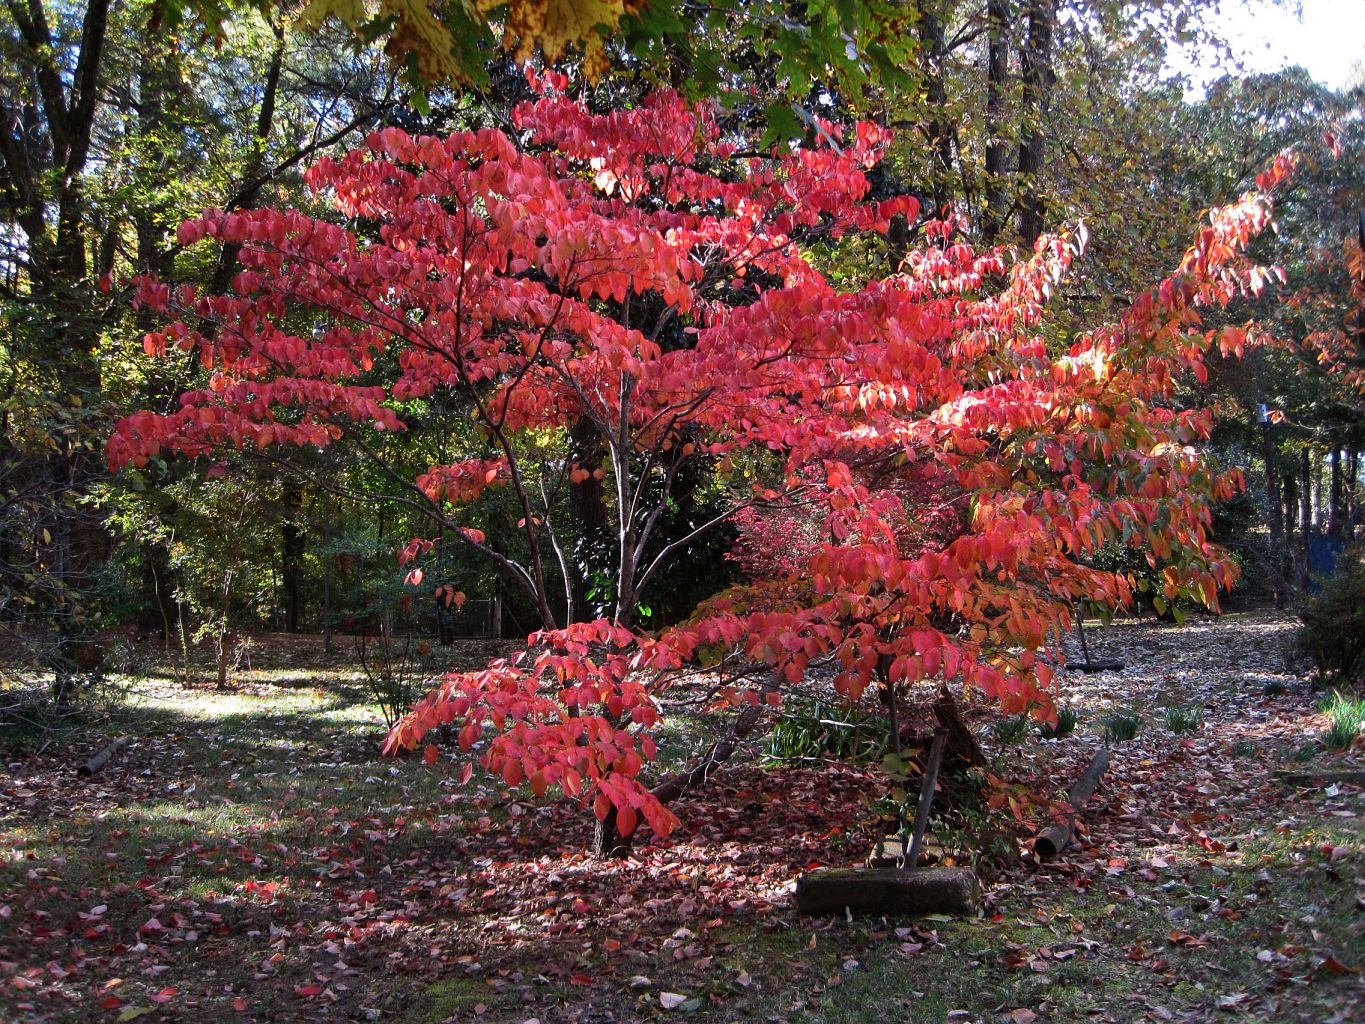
[1122,726]
[1011,731]
[1067,719]
[1332,633]
[1244,748]
[819,730]
[1181,720]
[1348,719]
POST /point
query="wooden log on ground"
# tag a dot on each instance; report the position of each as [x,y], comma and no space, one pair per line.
[102,758]
[889,891]
[1054,838]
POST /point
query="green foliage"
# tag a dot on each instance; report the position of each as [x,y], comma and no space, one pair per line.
[814,730]
[1333,630]
[1181,720]
[1012,730]
[1121,726]
[1067,719]
[1244,748]
[1348,719]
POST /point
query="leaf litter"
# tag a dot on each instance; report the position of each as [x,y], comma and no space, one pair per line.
[279,871]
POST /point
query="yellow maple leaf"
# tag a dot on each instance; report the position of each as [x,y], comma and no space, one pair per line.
[417,32]
[349,12]
[553,25]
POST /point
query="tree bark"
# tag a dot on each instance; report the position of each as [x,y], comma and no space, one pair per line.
[292,548]
[997,147]
[1038,77]
[1336,512]
[929,29]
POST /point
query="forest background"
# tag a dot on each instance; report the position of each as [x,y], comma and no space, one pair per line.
[122,120]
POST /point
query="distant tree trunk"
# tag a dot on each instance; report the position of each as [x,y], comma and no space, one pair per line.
[1038,77]
[292,547]
[937,127]
[1336,514]
[997,147]
[1305,510]
[1276,509]
[1352,480]
[592,522]
[1290,514]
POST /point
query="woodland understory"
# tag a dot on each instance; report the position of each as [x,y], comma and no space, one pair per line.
[250,857]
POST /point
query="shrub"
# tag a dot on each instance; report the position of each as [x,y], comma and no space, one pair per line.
[1333,629]
[394,675]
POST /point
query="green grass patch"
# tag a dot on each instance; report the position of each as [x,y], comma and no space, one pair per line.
[1347,713]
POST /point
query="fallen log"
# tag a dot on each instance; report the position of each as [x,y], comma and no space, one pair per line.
[102,758]
[1054,838]
[888,891]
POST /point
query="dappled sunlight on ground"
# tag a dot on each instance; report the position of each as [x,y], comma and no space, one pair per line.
[250,856]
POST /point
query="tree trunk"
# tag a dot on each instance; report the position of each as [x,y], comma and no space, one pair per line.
[1274,503]
[930,31]
[292,548]
[676,785]
[1305,512]
[997,147]
[1038,77]
[1352,479]
[1336,513]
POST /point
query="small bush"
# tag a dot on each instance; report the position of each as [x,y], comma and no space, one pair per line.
[1066,725]
[1182,720]
[393,672]
[1122,726]
[1333,630]
[1010,731]
[1348,720]
[1274,688]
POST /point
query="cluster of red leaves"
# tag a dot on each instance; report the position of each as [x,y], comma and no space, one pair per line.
[503,272]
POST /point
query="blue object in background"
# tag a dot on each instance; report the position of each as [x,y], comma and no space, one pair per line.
[1324,555]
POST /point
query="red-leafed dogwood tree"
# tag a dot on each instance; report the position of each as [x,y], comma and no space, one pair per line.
[612,296]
